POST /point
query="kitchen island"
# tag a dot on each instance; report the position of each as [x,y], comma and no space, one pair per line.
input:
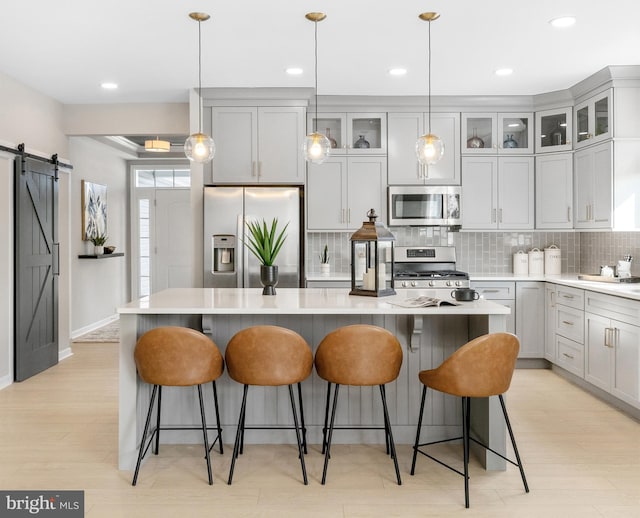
[427,335]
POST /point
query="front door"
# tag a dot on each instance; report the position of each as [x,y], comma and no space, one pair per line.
[36,267]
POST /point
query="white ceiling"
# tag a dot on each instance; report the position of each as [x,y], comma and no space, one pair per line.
[65,49]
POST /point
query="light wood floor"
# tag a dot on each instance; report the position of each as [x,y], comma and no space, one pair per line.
[58,430]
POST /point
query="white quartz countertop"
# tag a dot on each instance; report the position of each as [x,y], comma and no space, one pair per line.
[292,301]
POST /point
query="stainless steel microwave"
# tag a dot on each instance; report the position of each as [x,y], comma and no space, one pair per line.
[424,205]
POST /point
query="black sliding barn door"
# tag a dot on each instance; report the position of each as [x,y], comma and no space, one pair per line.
[36,267]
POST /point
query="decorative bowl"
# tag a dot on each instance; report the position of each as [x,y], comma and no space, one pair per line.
[109,249]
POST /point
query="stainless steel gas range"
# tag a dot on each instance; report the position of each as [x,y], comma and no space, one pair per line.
[428,268]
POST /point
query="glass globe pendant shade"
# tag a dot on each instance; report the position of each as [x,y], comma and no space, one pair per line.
[199,148]
[429,149]
[316,148]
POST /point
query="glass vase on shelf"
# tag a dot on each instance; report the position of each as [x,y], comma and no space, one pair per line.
[361,143]
[475,142]
[332,141]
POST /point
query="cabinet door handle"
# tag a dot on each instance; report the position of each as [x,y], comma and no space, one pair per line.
[349,215]
[500,215]
[493,215]
[607,337]
[567,322]
[568,356]
[253,168]
[553,299]
[342,216]
[569,214]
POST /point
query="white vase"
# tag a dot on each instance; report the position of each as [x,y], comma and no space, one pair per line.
[98,250]
[325,268]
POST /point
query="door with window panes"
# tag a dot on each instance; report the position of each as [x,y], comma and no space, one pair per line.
[161,230]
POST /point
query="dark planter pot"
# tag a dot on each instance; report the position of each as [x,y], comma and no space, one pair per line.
[268,279]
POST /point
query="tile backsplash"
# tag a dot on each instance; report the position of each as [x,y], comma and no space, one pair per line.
[477,252]
[492,252]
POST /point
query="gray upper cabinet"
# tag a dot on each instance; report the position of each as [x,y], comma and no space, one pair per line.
[554,191]
[258,144]
[404,129]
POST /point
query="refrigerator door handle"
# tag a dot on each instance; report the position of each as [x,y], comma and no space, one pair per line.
[241,257]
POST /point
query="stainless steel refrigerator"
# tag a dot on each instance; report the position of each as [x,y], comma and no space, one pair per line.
[227,261]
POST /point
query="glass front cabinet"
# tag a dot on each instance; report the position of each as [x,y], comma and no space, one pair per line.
[593,119]
[497,133]
[352,133]
[554,130]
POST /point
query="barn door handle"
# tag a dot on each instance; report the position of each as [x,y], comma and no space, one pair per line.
[56,258]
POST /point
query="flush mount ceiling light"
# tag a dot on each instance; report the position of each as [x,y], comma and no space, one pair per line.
[316,147]
[157,146]
[109,86]
[199,147]
[504,72]
[397,71]
[429,147]
[294,71]
[563,21]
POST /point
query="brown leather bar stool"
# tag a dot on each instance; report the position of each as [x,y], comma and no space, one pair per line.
[269,356]
[358,355]
[482,368]
[177,357]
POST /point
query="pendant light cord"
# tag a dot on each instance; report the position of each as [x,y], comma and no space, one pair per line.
[200,76]
[315,41]
[429,78]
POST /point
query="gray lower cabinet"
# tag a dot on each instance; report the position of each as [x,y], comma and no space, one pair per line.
[526,300]
[568,335]
[530,318]
[612,345]
[550,322]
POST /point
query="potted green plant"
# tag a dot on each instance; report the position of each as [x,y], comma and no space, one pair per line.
[265,243]
[325,267]
[98,241]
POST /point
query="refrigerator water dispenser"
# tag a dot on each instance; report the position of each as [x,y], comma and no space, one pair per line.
[224,249]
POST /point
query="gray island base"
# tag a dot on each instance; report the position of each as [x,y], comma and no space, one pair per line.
[428,336]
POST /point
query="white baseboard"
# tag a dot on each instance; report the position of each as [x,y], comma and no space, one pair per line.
[65,353]
[5,381]
[91,327]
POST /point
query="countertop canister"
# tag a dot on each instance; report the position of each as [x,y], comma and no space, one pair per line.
[552,263]
[536,262]
[520,263]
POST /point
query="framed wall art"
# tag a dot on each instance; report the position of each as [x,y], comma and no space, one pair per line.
[94,210]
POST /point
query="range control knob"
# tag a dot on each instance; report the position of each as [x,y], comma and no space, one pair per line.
[448,283]
[432,283]
[458,283]
[404,284]
[414,284]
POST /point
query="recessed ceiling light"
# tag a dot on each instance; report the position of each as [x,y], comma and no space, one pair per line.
[563,21]
[109,86]
[504,71]
[294,71]
[397,71]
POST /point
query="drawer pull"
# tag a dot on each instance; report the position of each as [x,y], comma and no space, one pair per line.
[567,322]
[567,296]
[568,356]
[490,291]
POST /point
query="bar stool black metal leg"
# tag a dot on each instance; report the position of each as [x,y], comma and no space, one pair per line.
[244,416]
[327,452]
[513,443]
[387,425]
[390,433]
[144,435]
[417,443]
[298,434]
[326,418]
[215,402]
[465,439]
[236,445]
[204,434]
[304,428]
[157,432]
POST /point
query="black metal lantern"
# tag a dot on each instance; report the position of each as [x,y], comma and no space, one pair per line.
[372,259]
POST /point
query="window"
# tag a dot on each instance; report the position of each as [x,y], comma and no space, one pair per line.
[163,178]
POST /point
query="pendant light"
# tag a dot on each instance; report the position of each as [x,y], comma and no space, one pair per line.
[316,147]
[157,146]
[199,147]
[429,147]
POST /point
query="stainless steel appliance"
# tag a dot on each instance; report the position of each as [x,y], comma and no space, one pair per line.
[424,205]
[227,261]
[430,268]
